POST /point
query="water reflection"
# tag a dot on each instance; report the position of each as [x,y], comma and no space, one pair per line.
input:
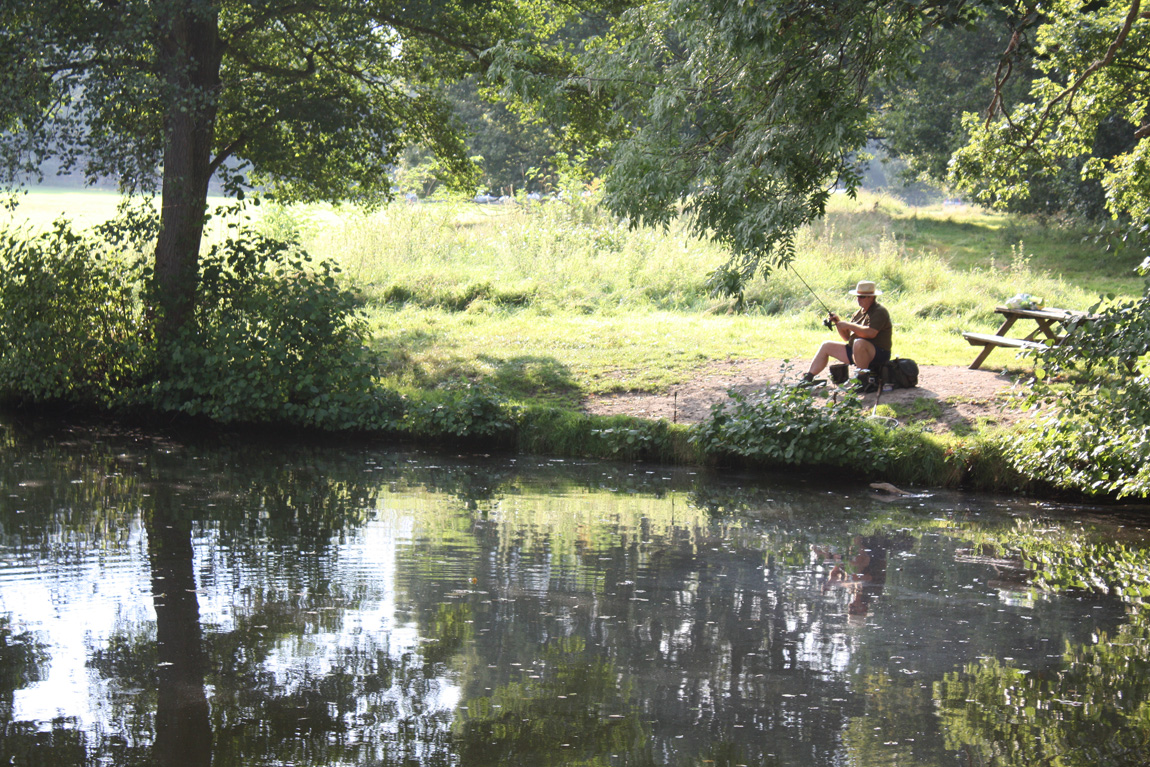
[172,603]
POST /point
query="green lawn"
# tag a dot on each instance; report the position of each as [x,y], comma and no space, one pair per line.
[554,302]
[969,238]
[84,207]
[40,208]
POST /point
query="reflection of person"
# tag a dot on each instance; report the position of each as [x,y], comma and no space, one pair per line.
[862,570]
[866,339]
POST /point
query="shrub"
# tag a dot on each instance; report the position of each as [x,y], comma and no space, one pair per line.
[1106,454]
[276,338]
[1097,387]
[72,328]
[469,412]
[789,425]
[634,439]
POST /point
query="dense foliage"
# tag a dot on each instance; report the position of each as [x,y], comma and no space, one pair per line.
[314,101]
[1097,388]
[276,339]
[72,326]
[788,425]
[1092,90]
[743,118]
[921,119]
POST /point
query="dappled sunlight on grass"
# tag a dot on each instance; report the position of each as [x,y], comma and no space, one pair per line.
[555,301]
[968,238]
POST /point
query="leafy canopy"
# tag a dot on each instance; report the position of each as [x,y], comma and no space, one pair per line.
[315,99]
[1093,82]
[745,117]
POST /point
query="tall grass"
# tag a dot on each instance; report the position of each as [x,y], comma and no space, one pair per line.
[554,256]
[553,302]
[575,258]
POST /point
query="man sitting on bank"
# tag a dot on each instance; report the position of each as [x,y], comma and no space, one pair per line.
[866,338]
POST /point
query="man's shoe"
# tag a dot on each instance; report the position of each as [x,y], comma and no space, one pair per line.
[809,381]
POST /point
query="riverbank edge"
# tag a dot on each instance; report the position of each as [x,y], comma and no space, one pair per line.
[916,459]
[923,459]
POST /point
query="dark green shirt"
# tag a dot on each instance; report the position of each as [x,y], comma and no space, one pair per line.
[878,318]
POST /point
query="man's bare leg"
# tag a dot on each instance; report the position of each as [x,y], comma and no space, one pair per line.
[864,354]
[828,350]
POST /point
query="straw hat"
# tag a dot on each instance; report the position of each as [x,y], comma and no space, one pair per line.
[865,288]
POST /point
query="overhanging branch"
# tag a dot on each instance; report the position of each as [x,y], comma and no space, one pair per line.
[1067,95]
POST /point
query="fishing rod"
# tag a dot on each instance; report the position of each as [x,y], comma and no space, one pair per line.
[827,322]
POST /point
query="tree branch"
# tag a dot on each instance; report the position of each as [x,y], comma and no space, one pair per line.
[1006,67]
[1069,92]
[473,51]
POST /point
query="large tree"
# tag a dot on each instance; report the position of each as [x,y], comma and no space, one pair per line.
[962,70]
[746,116]
[311,99]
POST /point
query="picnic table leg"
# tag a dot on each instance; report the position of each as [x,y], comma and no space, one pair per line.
[982,355]
[986,350]
[1044,326]
[1005,326]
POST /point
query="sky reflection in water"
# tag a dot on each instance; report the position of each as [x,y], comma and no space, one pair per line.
[242,604]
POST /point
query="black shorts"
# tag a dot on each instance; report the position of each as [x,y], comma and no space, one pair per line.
[881,357]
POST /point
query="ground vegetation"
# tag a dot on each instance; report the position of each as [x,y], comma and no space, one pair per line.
[721,160]
[315,102]
[553,328]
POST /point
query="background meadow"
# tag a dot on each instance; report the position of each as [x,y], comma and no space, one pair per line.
[550,302]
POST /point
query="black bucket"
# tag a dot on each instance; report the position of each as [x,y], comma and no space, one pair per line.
[840,373]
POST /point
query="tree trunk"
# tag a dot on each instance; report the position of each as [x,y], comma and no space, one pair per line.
[190,53]
[183,718]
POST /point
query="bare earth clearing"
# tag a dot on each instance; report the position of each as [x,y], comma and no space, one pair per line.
[947,398]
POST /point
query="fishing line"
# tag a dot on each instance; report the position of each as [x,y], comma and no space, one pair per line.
[794,271]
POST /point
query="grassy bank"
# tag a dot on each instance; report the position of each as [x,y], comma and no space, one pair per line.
[542,305]
[553,303]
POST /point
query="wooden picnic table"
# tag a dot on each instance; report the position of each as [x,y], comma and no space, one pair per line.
[1052,324]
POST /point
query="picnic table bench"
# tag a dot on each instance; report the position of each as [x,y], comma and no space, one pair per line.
[1052,324]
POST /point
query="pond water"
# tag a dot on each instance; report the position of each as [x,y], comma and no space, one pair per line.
[171,602]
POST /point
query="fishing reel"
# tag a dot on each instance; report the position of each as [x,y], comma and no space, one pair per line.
[828,323]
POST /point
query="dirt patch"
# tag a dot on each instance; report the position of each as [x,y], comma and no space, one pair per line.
[947,398]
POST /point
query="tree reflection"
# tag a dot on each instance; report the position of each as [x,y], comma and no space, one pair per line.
[1090,711]
[183,729]
[336,607]
[564,708]
[22,659]
[174,698]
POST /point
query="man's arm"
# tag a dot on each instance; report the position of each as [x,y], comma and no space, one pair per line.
[842,326]
[861,331]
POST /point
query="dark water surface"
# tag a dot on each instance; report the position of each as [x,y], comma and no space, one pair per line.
[241,603]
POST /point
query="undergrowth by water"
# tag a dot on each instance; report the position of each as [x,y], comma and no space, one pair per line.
[491,323]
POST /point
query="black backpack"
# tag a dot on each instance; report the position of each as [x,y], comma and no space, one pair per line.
[901,373]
